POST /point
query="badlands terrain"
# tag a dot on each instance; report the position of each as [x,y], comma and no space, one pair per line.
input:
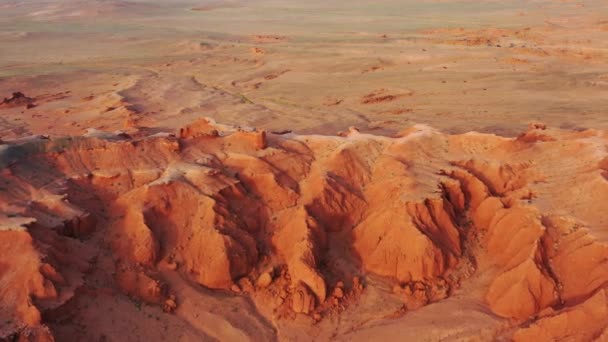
[424,170]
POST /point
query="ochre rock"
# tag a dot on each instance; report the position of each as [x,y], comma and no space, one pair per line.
[584,322]
[300,240]
[218,205]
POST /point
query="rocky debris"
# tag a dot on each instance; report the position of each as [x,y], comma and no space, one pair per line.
[382,96]
[537,125]
[282,132]
[269,38]
[245,285]
[257,51]
[199,128]
[18,99]
[170,304]
[303,301]
[264,280]
[418,294]
[140,285]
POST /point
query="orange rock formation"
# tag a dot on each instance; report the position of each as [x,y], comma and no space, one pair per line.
[248,211]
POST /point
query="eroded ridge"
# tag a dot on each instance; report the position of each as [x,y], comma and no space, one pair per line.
[307,219]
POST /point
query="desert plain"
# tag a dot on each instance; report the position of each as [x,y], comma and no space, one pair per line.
[419,170]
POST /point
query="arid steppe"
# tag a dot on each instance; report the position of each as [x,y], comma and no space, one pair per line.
[312,67]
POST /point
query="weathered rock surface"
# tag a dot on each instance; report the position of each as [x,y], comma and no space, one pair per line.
[221,206]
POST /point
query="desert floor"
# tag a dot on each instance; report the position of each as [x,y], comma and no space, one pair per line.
[312,67]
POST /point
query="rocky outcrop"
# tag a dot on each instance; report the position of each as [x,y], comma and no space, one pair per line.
[246,211]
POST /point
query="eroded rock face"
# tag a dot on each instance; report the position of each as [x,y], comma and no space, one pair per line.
[586,321]
[525,285]
[228,208]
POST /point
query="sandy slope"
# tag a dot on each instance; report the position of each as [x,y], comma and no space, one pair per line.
[299,237]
